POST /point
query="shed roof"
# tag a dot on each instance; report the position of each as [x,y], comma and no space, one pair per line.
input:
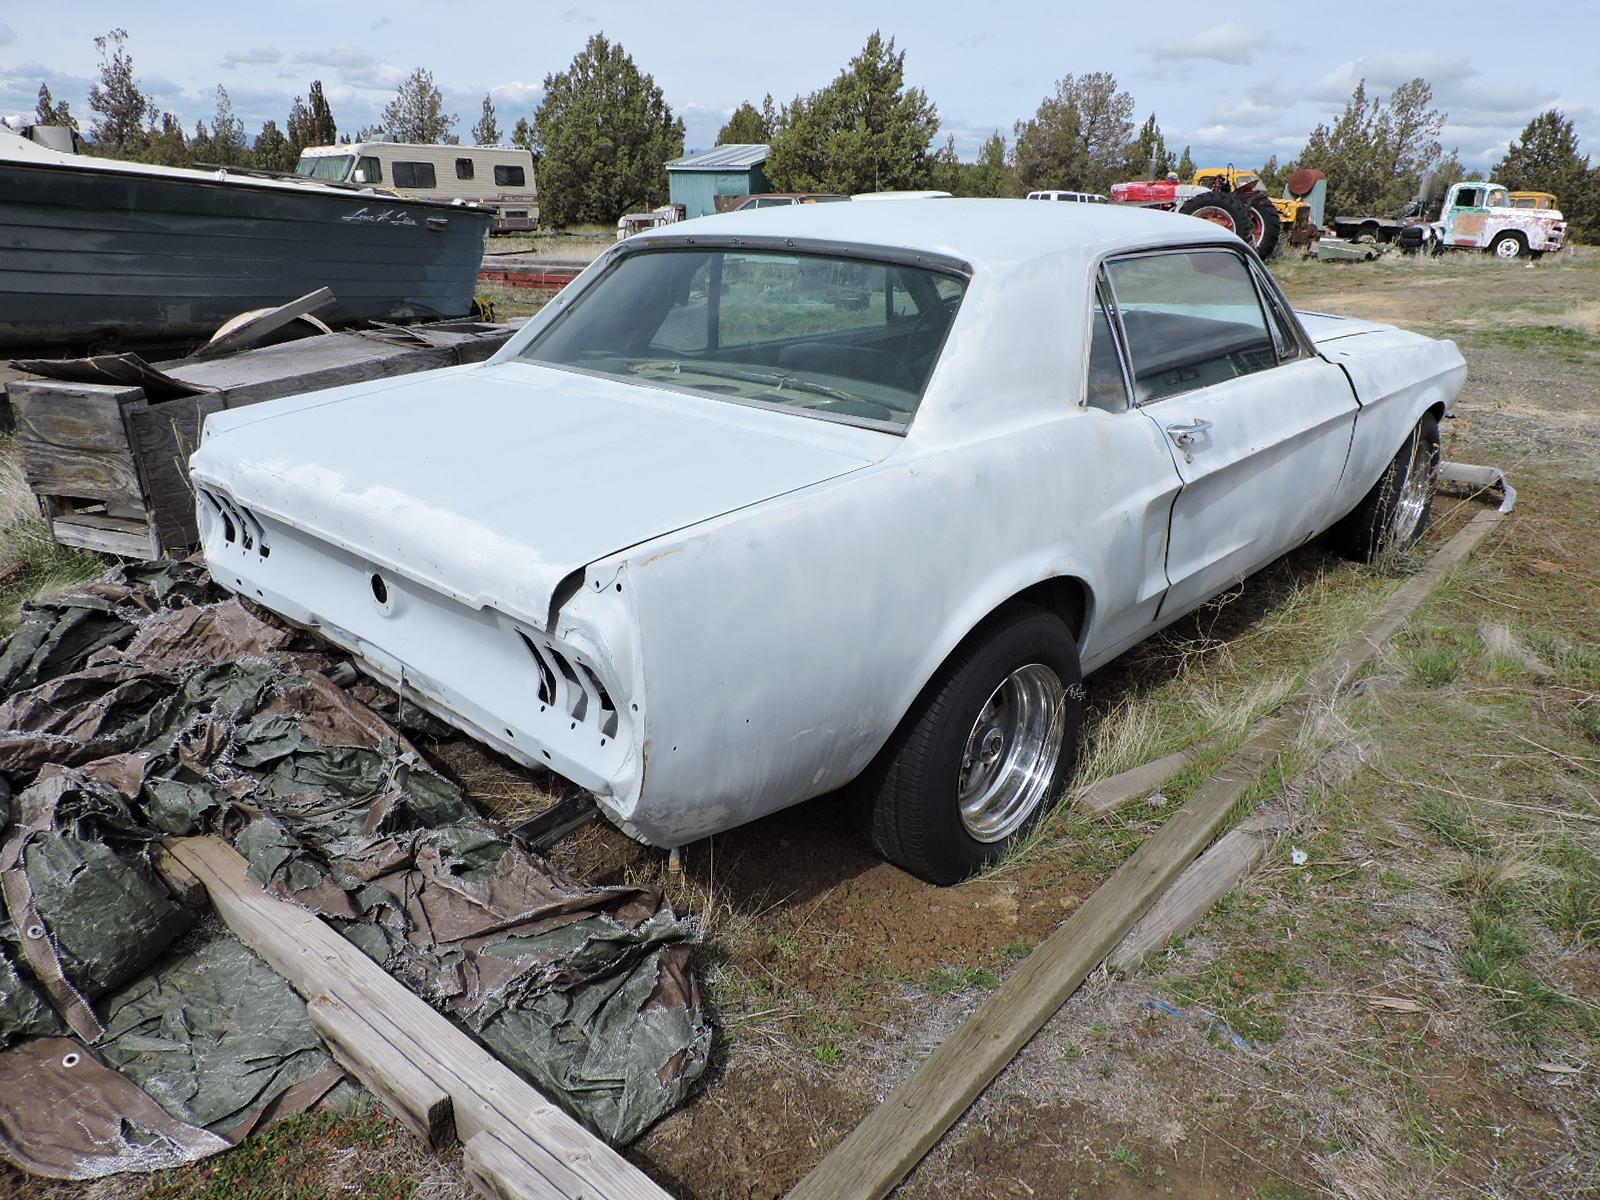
[739,157]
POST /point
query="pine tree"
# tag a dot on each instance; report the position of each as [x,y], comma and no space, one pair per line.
[601,133]
[864,132]
[311,124]
[165,144]
[1078,137]
[48,112]
[487,131]
[522,135]
[226,144]
[120,106]
[1147,154]
[416,114]
[1185,167]
[746,127]
[1546,158]
[993,174]
[272,151]
[1376,153]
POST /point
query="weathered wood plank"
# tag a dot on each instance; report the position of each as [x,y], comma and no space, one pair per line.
[251,330]
[498,1172]
[163,436]
[72,441]
[1107,795]
[486,1095]
[1205,881]
[124,537]
[895,1136]
[414,1099]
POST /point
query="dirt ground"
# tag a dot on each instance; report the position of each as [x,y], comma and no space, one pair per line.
[1411,1012]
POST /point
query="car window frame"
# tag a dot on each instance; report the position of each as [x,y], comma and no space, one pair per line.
[1101,290]
[1268,297]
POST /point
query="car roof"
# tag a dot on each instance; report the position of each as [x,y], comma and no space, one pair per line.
[986,234]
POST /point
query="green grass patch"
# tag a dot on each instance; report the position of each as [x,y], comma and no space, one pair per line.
[1247,987]
[947,980]
[1565,342]
[1497,962]
[1450,822]
[1570,901]
[1435,667]
[302,1158]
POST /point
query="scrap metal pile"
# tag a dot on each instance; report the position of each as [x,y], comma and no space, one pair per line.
[136,1035]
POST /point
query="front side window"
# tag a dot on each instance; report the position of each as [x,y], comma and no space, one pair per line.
[846,338]
[370,169]
[463,168]
[418,176]
[1192,318]
[510,177]
[330,167]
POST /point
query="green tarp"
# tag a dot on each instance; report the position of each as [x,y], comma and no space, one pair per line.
[151,707]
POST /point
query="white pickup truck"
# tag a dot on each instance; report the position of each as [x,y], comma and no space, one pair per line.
[1480,216]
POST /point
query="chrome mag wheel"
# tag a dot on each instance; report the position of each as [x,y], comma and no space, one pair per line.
[1011,753]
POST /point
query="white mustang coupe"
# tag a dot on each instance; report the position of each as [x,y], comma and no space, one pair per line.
[774,501]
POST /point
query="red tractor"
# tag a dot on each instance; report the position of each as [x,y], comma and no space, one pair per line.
[1233,199]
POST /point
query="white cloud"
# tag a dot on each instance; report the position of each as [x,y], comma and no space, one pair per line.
[1384,72]
[1229,42]
[255,56]
[1248,111]
[517,95]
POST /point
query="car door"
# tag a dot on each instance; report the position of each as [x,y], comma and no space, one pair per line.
[1466,217]
[1259,426]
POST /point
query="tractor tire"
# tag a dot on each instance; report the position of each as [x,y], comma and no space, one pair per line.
[1268,222]
[1221,208]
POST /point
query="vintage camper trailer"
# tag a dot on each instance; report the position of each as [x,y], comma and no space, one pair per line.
[498,176]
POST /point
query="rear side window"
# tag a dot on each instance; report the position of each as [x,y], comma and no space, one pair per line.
[418,175]
[510,177]
[463,168]
[1192,318]
[371,169]
[1104,387]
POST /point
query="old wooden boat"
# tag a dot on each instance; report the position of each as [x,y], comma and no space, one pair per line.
[98,252]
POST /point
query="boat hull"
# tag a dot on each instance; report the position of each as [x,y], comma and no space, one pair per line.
[90,256]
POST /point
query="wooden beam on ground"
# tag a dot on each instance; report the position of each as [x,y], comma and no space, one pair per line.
[1107,795]
[894,1137]
[556,1158]
[1206,880]
[404,1088]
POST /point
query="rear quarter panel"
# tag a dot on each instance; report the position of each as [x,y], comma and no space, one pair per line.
[779,647]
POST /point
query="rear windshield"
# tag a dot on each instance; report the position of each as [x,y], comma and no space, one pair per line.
[849,339]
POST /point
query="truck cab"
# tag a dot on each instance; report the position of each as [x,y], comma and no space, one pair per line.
[1479,215]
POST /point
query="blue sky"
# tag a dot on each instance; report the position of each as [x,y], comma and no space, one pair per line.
[1236,90]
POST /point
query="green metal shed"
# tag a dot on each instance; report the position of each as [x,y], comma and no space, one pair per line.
[696,180]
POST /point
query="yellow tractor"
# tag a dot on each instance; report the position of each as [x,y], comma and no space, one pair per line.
[1298,211]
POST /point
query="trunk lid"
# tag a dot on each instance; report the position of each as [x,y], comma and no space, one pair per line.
[493,483]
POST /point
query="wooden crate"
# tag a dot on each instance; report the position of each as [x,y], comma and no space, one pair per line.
[109,462]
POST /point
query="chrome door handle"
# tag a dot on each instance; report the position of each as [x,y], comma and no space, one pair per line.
[1185,435]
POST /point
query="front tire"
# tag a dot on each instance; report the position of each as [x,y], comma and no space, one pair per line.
[1266,222]
[986,747]
[1394,514]
[1509,245]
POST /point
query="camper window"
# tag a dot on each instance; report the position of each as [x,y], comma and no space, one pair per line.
[368,170]
[463,168]
[510,177]
[414,175]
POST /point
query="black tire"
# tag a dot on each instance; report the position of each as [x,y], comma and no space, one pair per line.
[908,799]
[1368,534]
[1226,209]
[1271,224]
[1509,245]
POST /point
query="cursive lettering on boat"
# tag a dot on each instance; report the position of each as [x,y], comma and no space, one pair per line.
[387,216]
